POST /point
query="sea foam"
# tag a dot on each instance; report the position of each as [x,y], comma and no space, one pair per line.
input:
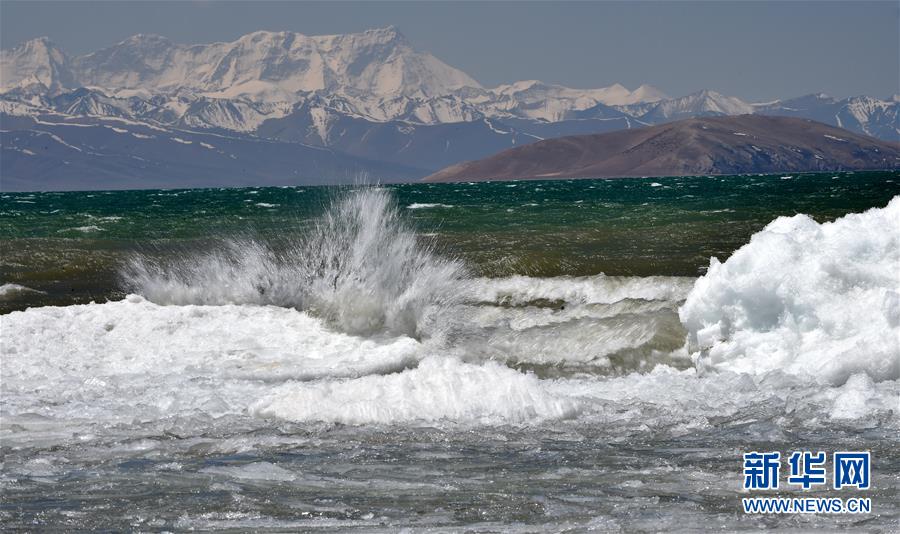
[819,300]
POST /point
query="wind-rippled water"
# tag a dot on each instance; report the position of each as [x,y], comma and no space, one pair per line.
[501,356]
[70,245]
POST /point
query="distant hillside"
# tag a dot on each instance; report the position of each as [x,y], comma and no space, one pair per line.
[710,145]
[47,151]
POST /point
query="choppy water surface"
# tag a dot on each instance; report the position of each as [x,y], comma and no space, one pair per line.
[70,245]
[504,356]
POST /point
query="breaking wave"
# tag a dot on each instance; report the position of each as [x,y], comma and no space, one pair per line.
[360,267]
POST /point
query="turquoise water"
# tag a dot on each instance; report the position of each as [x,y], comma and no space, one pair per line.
[70,246]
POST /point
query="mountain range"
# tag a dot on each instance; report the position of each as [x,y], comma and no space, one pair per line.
[370,101]
[699,146]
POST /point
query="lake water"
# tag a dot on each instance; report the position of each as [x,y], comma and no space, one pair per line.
[493,356]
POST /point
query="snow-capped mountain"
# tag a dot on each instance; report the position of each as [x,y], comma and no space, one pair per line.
[533,99]
[875,117]
[378,72]
[864,114]
[370,97]
[37,62]
[700,104]
[376,75]
[262,66]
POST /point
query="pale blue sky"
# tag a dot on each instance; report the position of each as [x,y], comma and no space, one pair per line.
[754,50]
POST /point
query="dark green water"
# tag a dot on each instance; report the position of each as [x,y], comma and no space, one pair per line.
[70,246]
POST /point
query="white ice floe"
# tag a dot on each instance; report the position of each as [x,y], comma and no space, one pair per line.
[133,358]
[821,300]
[440,388]
[103,365]
[683,401]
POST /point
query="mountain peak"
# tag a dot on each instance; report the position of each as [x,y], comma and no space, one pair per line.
[274,66]
[702,103]
[648,93]
[267,36]
[37,45]
[37,60]
[42,40]
[707,93]
[389,35]
[388,31]
[145,37]
[143,41]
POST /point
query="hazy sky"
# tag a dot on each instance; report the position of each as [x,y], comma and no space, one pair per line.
[754,50]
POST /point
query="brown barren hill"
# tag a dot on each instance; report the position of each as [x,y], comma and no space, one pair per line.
[713,145]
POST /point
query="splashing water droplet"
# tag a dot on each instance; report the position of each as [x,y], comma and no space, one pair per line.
[360,267]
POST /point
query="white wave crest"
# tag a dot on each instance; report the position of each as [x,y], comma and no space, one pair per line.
[810,299]
[361,268]
[423,206]
[11,291]
[599,289]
